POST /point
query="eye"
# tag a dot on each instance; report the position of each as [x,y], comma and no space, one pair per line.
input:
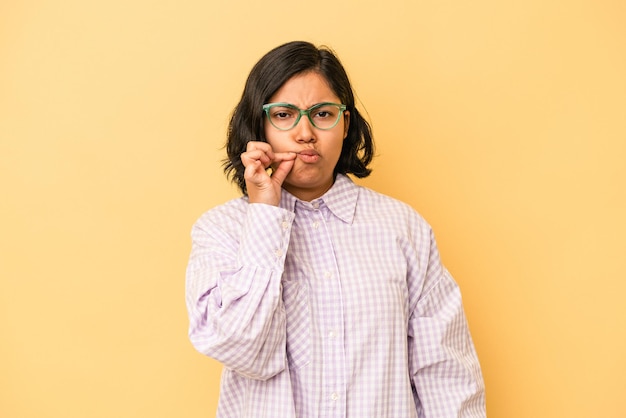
[325,112]
[282,113]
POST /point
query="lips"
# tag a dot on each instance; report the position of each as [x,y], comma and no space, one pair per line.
[308,152]
[308,156]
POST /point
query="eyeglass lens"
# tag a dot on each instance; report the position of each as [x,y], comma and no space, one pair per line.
[322,116]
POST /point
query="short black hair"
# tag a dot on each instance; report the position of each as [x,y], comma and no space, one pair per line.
[267,76]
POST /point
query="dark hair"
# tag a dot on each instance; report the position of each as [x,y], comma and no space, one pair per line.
[266,77]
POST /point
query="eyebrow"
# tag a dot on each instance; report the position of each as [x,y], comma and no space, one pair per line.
[306,108]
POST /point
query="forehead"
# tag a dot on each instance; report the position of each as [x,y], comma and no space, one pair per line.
[305,90]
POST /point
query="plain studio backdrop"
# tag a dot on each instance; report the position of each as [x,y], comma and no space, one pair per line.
[503,123]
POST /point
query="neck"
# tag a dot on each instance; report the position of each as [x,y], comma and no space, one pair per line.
[306,194]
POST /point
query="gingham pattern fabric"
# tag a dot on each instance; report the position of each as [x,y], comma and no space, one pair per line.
[338,307]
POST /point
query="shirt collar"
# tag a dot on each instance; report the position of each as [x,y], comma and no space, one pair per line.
[341,199]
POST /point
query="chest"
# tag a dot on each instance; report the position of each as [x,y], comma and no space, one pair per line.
[359,267]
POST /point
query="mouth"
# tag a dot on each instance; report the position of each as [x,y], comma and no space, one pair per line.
[308,156]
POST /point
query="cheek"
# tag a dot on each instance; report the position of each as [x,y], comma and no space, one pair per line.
[337,147]
[270,136]
[279,141]
[266,133]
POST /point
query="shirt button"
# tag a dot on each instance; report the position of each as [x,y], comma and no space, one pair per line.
[316,205]
[327,274]
[278,252]
[334,396]
[285,224]
[316,225]
[331,334]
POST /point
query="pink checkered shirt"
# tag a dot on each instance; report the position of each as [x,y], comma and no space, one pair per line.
[339,307]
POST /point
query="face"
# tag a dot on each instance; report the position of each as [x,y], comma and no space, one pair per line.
[319,150]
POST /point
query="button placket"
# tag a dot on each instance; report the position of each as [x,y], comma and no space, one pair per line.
[319,238]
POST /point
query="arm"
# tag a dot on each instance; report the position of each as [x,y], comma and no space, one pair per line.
[443,364]
[233,289]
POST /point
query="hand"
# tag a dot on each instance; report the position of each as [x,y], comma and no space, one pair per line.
[261,187]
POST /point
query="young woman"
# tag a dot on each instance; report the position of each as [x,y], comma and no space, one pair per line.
[320,297]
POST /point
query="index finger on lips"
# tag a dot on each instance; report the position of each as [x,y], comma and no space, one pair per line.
[284,156]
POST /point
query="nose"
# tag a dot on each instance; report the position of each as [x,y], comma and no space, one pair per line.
[304,131]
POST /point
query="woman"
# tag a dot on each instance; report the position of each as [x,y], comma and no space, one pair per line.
[320,297]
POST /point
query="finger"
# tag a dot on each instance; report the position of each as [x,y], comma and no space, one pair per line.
[262,146]
[257,144]
[249,157]
[284,156]
[255,173]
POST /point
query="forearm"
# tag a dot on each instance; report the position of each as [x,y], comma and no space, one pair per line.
[445,368]
[234,293]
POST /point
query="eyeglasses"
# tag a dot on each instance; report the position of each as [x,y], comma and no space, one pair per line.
[285,116]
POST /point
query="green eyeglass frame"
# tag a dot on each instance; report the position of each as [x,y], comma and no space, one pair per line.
[340,107]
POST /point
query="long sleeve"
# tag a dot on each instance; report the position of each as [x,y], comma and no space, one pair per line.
[338,307]
[443,363]
[233,287]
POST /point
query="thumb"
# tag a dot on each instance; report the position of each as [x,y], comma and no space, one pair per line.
[280,173]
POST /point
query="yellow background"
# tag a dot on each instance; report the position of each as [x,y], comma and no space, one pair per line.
[503,123]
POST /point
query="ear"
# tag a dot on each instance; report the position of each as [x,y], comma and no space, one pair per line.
[346,123]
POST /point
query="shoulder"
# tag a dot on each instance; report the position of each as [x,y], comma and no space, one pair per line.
[379,204]
[388,214]
[229,215]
